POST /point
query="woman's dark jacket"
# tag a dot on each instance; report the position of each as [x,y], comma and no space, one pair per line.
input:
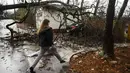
[46,37]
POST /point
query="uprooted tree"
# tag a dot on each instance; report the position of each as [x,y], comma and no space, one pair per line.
[64,8]
[79,13]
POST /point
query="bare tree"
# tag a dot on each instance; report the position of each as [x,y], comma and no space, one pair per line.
[25,5]
[96,8]
[68,1]
[119,27]
[108,44]
[122,9]
[82,3]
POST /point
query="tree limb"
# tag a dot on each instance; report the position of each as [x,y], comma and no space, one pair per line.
[22,20]
[25,5]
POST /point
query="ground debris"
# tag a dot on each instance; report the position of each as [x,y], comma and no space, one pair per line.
[113,62]
[2,57]
[22,60]
[92,62]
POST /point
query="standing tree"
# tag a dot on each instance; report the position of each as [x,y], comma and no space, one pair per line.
[122,9]
[119,27]
[1,12]
[108,36]
[68,1]
[96,8]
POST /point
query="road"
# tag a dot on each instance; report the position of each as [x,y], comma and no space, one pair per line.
[17,57]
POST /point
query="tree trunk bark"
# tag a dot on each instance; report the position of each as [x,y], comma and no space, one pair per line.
[68,1]
[108,45]
[25,5]
[122,9]
[96,8]
[118,28]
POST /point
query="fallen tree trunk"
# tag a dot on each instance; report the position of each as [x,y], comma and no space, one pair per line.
[25,5]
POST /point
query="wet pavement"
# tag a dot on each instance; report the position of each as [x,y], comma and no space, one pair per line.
[17,59]
[11,59]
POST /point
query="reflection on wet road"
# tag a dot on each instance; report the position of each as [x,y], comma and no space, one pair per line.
[11,59]
[15,62]
[17,59]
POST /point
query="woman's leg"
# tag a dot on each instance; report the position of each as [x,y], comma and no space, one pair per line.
[54,51]
[42,51]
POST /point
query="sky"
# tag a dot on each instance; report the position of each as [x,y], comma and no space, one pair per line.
[5,2]
[89,1]
[8,1]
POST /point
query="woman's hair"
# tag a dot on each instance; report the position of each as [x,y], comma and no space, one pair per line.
[43,25]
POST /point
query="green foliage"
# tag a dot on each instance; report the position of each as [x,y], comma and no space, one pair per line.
[21,12]
[101,53]
[125,35]
[31,19]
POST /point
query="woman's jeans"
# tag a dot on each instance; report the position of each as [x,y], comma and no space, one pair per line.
[43,50]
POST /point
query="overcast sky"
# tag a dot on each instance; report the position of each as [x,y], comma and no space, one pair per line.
[88,2]
[12,1]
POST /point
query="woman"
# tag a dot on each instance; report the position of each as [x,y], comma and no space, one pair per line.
[46,42]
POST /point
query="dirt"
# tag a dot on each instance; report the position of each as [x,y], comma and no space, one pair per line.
[93,62]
